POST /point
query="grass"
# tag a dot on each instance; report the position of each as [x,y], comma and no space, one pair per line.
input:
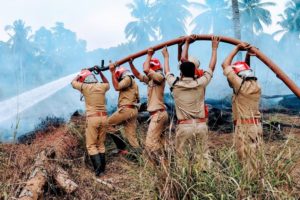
[225,180]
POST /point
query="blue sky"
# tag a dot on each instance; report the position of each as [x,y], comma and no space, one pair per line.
[100,22]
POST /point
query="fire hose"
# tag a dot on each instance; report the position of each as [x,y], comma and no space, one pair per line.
[268,62]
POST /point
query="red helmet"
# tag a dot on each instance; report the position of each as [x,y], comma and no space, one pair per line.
[240,66]
[119,72]
[83,74]
[155,64]
[198,72]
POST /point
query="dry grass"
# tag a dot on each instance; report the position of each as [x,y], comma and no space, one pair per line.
[280,172]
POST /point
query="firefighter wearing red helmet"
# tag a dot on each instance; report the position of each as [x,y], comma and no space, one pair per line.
[126,114]
[198,71]
[245,108]
[155,80]
[188,93]
[96,116]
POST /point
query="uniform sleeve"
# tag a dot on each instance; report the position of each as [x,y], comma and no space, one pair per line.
[234,79]
[76,85]
[143,78]
[156,76]
[105,86]
[206,78]
[170,79]
[125,83]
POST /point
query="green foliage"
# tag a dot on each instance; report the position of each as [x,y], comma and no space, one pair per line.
[255,13]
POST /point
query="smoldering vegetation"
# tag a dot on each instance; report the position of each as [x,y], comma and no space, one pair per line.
[30,59]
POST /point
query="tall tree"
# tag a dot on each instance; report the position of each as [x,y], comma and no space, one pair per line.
[290,21]
[142,29]
[214,18]
[20,46]
[236,22]
[43,40]
[254,14]
[170,17]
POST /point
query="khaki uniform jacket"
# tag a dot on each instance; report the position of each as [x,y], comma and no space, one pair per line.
[245,105]
[189,95]
[129,92]
[156,86]
[94,94]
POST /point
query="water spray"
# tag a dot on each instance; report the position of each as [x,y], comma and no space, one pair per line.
[16,105]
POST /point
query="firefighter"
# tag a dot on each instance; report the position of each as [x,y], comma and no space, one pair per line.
[188,93]
[198,71]
[245,108]
[126,114]
[155,80]
[96,116]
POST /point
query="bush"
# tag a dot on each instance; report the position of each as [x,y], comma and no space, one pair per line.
[45,125]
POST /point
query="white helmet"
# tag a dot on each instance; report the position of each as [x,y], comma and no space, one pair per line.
[246,74]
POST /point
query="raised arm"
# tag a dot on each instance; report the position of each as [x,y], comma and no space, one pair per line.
[135,72]
[112,69]
[104,79]
[227,62]
[180,50]
[188,41]
[248,56]
[146,65]
[165,54]
[214,46]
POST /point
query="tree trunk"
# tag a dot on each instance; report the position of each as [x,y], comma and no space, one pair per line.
[34,186]
[236,22]
[64,181]
[33,189]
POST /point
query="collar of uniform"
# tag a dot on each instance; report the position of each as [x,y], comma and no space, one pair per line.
[187,79]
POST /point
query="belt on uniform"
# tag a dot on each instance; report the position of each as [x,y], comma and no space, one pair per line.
[247,121]
[191,121]
[127,106]
[98,114]
[156,111]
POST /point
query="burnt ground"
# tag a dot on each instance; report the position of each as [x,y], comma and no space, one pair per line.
[122,178]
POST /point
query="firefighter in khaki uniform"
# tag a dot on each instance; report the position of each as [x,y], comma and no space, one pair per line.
[96,116]
[245,109]
[188,95]
[127,111]
[155,80]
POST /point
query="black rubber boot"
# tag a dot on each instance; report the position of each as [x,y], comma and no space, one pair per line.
[97,163]
[118,140]
[103,163]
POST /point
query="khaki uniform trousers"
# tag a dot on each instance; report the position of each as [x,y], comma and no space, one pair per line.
[248,143]
[156,127]
[95,134]
[193,138]
[128,118]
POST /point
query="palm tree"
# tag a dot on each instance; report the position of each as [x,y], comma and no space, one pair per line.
[20,45]
[170,17]
[236,22]
[290,21]
[215,17]
[141,30]
[254,14]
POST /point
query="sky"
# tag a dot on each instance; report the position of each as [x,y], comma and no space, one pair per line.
[100,22]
